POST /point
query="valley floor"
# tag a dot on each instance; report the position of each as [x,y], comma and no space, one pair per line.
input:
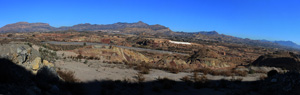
[97,70]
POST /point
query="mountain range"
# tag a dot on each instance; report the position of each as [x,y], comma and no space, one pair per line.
[285,43]
[45,27]
[141,27]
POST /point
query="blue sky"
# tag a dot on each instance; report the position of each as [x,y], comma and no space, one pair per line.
[255,19]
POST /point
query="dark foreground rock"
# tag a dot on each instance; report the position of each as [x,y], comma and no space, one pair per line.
[285,60]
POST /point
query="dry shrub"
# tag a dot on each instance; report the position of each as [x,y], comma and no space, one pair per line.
[67,76]
[233,79]
[173,70]
[130,65]
[251,71]
[127,80]
[200,82]
[260,71]
[205,71]
[186,79]
[240,73]
[140,77]
[262,77]
[223,72]
[197,78]
[143,68]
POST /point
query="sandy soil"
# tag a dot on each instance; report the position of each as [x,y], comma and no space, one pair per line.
[88,72]
[97,70]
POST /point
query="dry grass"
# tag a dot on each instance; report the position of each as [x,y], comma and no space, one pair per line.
[67,76]
[240,73]
[173,70]
[186,79]
[205,71]
[224,73]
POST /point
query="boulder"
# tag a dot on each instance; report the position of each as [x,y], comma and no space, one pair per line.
[22,54]
[35,64]
[47,63]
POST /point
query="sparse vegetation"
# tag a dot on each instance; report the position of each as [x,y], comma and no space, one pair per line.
[85,61]
[61,47]
[140,77]
[234,79]
[262,77]
[48,55]
[143,68]
[67,76]
[186,79]
[29,44]
[222,72]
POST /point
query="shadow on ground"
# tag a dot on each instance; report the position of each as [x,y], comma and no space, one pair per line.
[16,80]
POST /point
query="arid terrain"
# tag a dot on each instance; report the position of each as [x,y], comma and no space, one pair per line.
[137,58]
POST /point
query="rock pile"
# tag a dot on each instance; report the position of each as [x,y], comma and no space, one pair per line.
[24,56]
[24,72]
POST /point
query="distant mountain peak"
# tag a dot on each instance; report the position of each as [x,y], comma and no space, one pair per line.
[83,24]
[140,22]
[208,32]
[21,23]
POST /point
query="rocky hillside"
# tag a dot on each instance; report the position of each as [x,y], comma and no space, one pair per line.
[208,59]
[214,37]
[286,60]
[26,56]
[111,54]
